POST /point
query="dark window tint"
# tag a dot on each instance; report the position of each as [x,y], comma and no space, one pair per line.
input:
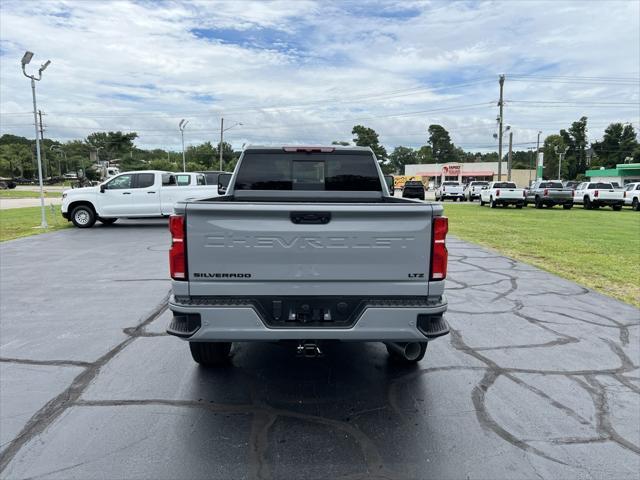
[336,171]
[212,178]
[451,184]
[554,185]
[145,180]
[200,180]
[504,185]
[603,186]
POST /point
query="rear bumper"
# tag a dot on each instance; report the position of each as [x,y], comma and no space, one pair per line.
[509,201]
[607,201]
[242,322]
[557,201]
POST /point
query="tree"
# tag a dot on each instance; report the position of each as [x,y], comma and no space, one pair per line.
[16,160]
[576,139]
[440,141]
[113,144]
[618,142]
[367,137]
[400,157]
[425,154]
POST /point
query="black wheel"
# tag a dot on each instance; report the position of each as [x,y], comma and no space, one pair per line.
[587,204]
[519,206]
[567,206]
[481,203]
[635,205]
[492,203]
[210,354]
[107,221]
[396,357]
[83,216]
[538,203]
[617,208]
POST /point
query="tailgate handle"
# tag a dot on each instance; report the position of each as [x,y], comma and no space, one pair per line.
[316,218]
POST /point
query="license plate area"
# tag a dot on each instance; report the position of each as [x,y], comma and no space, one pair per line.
[310,312]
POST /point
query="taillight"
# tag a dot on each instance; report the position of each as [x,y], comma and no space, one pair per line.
[444,188]
[595,194]
[625,195]
[439,254]
[177,261]
[498,193]
[573,193]
[524,193]
[546,192]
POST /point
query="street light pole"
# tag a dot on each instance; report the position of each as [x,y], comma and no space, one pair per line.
[500,120]
[181,126]
[222,130]
[560,157]
[26,58]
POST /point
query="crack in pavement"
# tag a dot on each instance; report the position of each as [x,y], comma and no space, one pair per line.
[59,404]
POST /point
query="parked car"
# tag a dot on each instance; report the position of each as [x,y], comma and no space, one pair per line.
[548,194]
[593,195]
[413,189]
[304,247]
[142,194]
[7,183]
[473,189]
[450,189]
[631,195]
[502,193]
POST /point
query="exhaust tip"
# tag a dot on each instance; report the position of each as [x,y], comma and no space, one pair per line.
[410,351]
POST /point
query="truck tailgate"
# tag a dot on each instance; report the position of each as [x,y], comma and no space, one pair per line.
[511,193]
[300,249]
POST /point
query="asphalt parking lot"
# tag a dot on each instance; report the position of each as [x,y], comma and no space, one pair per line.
[539,379]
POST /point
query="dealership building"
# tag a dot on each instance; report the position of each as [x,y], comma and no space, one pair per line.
[623,173]
[467,172]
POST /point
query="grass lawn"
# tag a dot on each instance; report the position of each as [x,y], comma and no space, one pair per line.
[27,194]
[599,249]
[19,222]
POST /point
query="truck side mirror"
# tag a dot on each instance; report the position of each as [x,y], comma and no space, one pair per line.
[223,183]
[103,187]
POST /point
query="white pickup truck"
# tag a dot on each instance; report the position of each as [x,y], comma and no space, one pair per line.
[593,195]
[142,194]
[307,245]
[502,193]
[450,189]
[632,195]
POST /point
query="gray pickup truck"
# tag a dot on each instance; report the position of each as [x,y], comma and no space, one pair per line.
[546,193]
[307,246]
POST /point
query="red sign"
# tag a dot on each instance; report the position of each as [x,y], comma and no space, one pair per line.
[451,170]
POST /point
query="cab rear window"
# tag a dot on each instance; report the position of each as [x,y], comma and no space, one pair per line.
[321,171]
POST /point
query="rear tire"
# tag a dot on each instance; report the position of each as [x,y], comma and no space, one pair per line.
[519,206]
[538,203]
[210,354]
[587,204]
[635,205]
[400,359]
[492,203]
[481,203]
[567,206]
[107,221]
[616,208]
[83,216]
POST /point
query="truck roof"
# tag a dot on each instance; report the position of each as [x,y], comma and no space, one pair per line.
[280,148]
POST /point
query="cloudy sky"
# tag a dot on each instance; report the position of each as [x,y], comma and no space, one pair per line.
[306,71]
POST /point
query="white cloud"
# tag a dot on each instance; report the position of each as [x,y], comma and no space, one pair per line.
[145,65]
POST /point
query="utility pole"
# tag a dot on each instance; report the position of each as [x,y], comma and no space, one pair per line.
[510,158]
[561,155]
[43,152]
[531,162]
[221,137]
[500,119]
